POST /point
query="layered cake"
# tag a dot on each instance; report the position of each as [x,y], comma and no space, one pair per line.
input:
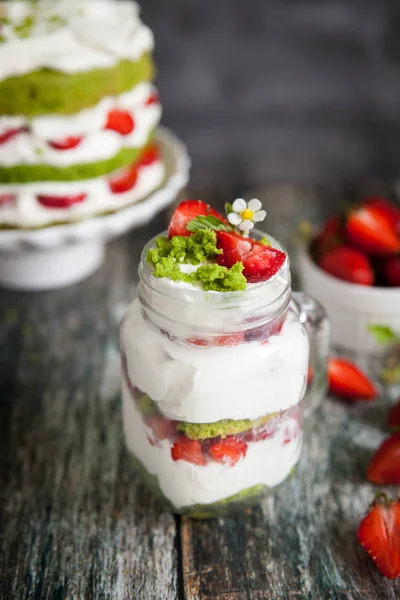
[78,110]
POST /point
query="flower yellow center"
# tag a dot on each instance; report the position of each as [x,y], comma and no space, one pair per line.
[247,214]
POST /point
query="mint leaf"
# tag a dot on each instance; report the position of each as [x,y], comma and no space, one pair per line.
[383,334]
[206,222]
[265,241]
[228,208]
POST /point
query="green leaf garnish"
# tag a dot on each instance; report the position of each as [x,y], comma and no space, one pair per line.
[206,222]
[383,334]
[228,208]
[265,241]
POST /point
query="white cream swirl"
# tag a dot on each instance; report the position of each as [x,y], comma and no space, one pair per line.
[70,35]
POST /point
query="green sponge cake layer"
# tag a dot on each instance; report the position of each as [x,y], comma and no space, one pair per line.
[31,173]
[202,431]
[46,92]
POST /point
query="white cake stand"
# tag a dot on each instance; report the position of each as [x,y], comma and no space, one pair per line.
[61,255]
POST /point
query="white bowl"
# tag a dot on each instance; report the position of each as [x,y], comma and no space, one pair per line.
[351,308]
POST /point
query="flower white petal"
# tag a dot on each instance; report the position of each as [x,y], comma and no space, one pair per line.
[254,205]
[234,218]
[259,216]
[239,205]
[246,225]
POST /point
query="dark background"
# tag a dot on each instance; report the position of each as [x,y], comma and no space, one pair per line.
[291,90]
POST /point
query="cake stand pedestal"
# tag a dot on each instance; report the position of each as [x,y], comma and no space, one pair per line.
[57,256]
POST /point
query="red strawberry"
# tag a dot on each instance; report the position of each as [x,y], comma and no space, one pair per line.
[150,155]
[188,450]
[123,180]
[60,201]
[372,231]
[232,339]
[379,535]
[120,121]
[330,236]
[387,209]
[260,262]
[153,99]
[228,450]
[348,381]
[10,133]
[310,375]
[348,264]
[161,427]
[185,212]
[7,199]
[384,468]
[394,417]
[67,144]
[392,270]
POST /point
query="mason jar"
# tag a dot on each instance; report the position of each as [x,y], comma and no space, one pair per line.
[214,388]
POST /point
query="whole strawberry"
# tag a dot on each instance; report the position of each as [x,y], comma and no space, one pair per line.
[384,468]
[379,535]
[348,264]
[372,230]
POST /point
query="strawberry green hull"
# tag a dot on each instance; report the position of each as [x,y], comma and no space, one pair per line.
[33,173]
[46,92]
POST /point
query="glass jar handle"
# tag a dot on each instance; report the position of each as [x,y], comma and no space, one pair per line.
[313,316]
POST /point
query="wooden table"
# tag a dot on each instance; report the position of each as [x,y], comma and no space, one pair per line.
[77,524]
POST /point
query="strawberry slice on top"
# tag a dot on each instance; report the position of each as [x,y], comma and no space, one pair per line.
[260,262]
[379,535]
[185,212]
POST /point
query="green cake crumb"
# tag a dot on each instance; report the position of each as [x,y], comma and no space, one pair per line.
[202,431]
[198,248]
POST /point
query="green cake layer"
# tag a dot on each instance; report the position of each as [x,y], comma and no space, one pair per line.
[202,431]
[31,173]
[51,92]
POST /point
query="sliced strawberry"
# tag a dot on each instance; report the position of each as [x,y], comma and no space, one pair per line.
[372,231]
[330,236]
[123,180]
[260,262]
[150,155]
[348,264]
[264,332]
[232,339]
[394,417]
[120,121]
[67,144]
[392,270]
[228,451]
[7,199]
[348,381]
[60,201]
[185,212]
[310,375]
[387,209]
[161,427]
[152,99]
[379,535]
[11,133]
[384,468]
[188,450]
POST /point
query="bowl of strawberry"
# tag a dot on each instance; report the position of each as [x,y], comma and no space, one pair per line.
[352,267]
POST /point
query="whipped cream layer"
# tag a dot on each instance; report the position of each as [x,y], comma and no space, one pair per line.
[203,385]
[25,211]
[70,36]
[98,143]
[267,462]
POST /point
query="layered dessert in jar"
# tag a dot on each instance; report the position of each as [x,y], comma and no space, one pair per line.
[78,111]
[214,362]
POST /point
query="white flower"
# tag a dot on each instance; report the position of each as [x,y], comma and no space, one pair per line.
[245,214]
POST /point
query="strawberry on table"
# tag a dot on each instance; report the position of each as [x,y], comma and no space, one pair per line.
[123,180]
[379,535]
[394,417]
[260,262]
[188,450]
[349,381]
[348,264]
[120,121]
[392,271]
[185,212]
[66,144]
[60,201]
[372,231]
[228,450]
[384,468]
